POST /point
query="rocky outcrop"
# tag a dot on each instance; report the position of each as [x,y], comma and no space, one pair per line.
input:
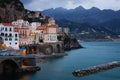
[70,42]
[11,10]
[74,44]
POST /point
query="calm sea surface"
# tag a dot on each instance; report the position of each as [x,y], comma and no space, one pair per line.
[95,53]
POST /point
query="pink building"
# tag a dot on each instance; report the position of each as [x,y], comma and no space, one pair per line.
[52,29]
[42,29]
[23,31]
[22,27]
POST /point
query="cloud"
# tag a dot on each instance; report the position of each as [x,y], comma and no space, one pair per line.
[70,4]
[26,1]
[103,4]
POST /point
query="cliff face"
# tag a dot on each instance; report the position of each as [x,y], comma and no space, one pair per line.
[11,10]
[74,44]
[69,42]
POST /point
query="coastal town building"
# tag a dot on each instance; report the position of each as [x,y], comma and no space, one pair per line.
[22,27]
[32,33]
[48,33]
[9,36]
[38,14]
[59,30]
[51,34]
[33,27]
[51,21]
[26,41]
[66,30]
[21,22]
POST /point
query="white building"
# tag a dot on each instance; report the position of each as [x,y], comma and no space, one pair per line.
[66,30]
[60,30]
[33,27]
[35,24]
[21,22]
[10,38]
[50,38]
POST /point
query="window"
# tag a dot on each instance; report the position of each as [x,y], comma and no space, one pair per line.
[2,34]
[10,29]
[15,35]
[15,43]
[2,29]
[10,39]
[10,35]
[6,39]
[10,43]
[16,39]
[6,35]
[5,29]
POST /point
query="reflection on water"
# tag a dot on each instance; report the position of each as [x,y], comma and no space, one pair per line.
[16,77]
[25,77]
[12,77]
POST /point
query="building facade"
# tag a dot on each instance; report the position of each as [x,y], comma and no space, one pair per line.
[22,27]
[10,38]
[66,30]
[48,34]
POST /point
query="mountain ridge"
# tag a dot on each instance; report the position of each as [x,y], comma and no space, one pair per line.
[93,16]
[83,15]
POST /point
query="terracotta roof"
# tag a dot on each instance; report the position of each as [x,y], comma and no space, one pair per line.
[41,28]
[7,24]
[51,26]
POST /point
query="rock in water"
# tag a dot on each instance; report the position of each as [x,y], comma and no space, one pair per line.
[96,69]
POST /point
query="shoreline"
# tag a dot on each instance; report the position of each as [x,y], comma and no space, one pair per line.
[101,40]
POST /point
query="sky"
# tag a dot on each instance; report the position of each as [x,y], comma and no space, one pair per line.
[39,5]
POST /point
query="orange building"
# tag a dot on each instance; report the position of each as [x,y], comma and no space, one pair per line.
[38,14]
[49,33]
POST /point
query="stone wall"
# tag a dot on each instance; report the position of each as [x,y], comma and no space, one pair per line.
[45,48]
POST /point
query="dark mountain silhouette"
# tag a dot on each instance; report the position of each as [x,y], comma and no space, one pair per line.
[112,25]
[86,31]
[80,14]
[107,18]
